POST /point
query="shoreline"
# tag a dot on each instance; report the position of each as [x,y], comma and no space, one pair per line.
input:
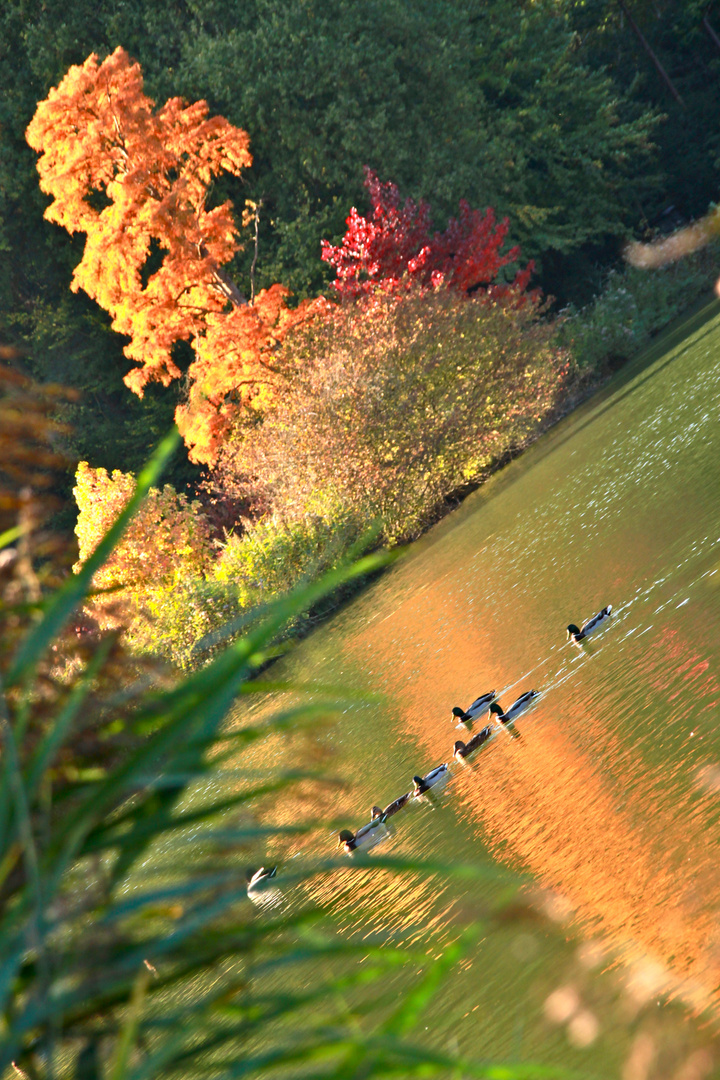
[578,395]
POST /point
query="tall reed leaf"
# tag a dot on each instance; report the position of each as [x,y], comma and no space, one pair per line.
[129,946]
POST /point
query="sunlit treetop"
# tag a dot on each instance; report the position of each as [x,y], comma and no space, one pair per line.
[99,137]
[136,181]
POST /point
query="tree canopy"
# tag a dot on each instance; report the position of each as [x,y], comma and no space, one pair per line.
[545,110]
[100,137]
[486,101]
[394,249]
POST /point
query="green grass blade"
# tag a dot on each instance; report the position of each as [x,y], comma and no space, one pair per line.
[189,717]
[128,1035]
[59,731]
[66,599]
[10,535]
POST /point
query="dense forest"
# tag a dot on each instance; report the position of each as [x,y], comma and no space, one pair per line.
[582,120]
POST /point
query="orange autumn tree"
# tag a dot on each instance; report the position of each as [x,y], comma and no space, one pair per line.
[102,140]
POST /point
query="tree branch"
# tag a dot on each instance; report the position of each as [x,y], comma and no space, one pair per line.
[648,49]
[710,32]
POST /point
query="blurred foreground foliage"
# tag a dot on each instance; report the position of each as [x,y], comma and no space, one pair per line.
[120,959]
[34,562]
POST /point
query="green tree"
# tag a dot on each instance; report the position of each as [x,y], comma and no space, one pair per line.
[483,100]
[640,40]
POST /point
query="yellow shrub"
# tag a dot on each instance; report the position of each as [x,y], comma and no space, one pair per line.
[167,535]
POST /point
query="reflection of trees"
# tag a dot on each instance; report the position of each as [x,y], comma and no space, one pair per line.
[601,808]
[550,807]
[627,842]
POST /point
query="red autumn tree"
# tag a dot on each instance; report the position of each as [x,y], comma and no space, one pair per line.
[394,246]
[102,141]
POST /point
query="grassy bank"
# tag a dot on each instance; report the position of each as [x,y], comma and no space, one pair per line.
[633,307]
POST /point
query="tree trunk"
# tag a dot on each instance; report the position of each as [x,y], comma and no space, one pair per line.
[648,49]
[710,32]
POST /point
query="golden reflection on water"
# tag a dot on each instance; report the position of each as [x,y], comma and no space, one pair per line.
[405,904]
[610,798]
[633,846]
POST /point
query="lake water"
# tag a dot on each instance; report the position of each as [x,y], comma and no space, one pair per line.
[606,804]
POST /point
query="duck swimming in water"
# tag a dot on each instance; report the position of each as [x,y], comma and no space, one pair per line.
[257,878]
[579,634]
[424,783]
[463,750]
[397,804]
[367,834]
[476,709]
[515,709]
[262,889]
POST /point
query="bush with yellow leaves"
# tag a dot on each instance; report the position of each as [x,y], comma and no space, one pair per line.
[168,539]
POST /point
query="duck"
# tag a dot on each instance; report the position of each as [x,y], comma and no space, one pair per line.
[478,706]
[462,750]
[421,784]
[366,834]
[257,878]
[397,804]
[515,709]
[579,634]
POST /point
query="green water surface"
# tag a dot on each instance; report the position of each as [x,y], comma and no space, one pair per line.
[608,803]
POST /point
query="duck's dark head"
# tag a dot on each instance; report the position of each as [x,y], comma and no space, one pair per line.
[346,837]
[459,745]
[375,812]
[457,711]
[572,630]
[495,708]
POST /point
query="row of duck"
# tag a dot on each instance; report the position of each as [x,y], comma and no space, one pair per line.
[367,835]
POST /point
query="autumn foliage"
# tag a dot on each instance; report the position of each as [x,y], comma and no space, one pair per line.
[136,181]
[167,535]
[397,404]
[394,248]
[375,411]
